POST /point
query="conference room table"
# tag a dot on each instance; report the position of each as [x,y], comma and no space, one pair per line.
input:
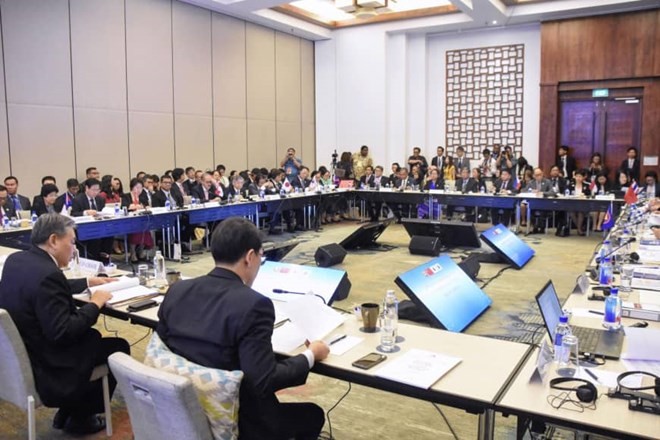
[527,399]
[474,385]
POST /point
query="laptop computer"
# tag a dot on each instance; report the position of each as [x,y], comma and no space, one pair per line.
[591,341]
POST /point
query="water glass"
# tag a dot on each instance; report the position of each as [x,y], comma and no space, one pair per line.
[569,364]
[627,271]
[143,274]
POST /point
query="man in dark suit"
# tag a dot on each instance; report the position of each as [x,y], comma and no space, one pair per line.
[540,186]
[558,183]
[66,199]
[465,184]
[190,183]
[565,162]
[631,164]
[206,191]
[62,345]
[505,186]
[166,193]
[460,161]
[368,180]
[3,204]
[379,181]
[439,159]
[233,330]
[650,185]
[301,181]
[178,186]
[90,203]
[235,190]
[46,180]
[16,202]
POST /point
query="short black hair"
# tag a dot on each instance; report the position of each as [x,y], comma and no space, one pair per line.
[134,182]
[177,173]
[233,238]
[11,178]
[91,182]
[43,179]
[48,189]
[564,147]
[89,170]
[651,174]
[72,183]
[220,167]
[189,169]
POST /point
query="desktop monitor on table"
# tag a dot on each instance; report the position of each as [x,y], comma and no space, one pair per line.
[508,245]
[449,298]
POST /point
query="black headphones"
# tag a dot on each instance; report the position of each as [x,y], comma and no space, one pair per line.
[655,387]
[586,393]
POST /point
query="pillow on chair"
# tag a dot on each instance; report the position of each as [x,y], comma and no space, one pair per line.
[217,390]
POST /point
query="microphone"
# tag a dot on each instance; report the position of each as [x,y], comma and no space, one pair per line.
[299,293]
[627,242]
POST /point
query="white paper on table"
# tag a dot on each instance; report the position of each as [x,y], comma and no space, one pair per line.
[287,338]
[643,344]
[279,313]
[120,284]
[341,347]
[130,293]
[606,378]
[418,368]
[314,318]
[584,313]
[652,367]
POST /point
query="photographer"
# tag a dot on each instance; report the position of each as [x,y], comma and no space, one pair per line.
[506,161]
[291,163]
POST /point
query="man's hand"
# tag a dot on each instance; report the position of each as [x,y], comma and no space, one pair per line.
[97,281]
[100,297]
[91,212]
[320,350]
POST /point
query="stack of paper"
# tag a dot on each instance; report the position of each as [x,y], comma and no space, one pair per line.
[418,368]
[643,344]
[124,289]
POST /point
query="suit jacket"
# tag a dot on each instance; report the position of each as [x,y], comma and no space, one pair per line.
[198,192]
[465,164]
[298,182]
[545,187]
[81,204]
[233,192]
[24,201]
[562,184]
[232,331]
[571,165]
[437,184]
[39,207]
[400,184]
[61,201]
[632,172]
[58,336]
[472,185]
[189,186]
[384,181]
[159,198]
[585,188]
[127,200]
[177,193]
[436,159]
[509,186]
[368,181]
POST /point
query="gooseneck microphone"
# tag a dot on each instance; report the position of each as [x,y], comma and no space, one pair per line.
[625,243]
[300,293]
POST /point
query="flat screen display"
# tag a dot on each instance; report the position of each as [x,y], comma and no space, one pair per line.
[507,244]
[448,296]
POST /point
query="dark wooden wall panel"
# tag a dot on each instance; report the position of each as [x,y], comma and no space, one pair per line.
[611,51]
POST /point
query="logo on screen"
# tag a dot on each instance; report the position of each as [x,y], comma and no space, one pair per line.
[432,270]
[497,231]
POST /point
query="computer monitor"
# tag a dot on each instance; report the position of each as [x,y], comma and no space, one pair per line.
[449,298]
[508,245]
[452,234]
[365,236]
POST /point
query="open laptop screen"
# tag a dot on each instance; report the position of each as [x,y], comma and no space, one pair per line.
[550,307]
[445,293]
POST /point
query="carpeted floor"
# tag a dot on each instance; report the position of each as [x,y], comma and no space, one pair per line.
[366,413]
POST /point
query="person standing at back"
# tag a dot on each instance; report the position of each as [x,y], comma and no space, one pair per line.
[233,330]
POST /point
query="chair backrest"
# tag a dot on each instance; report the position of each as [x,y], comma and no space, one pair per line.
[16,379]
[160,405]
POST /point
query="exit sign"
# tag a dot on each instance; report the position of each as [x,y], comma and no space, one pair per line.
[600,93]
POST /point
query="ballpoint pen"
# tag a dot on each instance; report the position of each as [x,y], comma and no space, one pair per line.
[337,340]
[590,373]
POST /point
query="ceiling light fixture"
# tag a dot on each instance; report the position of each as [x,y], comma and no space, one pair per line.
[494,21]
[362,9]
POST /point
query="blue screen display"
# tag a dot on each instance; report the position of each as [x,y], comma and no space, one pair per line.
[509,245]
[446,291]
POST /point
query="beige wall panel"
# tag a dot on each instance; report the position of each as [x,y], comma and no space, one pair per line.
[229,82]
[151,140]
[261,141]
[194,141]
[98,54]
[149,55]
[42,144]
[307,80]
[36,51]
[288,135]
[309,147]
[287,77]
[260,51]
[191,38]
[102,141]
[231,143]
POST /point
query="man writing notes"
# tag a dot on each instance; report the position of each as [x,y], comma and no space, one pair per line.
[232,331]
[59,338]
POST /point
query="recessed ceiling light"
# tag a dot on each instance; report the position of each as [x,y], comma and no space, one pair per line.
[494,21]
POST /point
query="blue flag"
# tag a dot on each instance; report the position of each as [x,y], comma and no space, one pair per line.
[608,222]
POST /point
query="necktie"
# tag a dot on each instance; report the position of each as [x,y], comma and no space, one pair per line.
[465,184]
[503,184]
[92,204]
[2,214]
[17,203]
[206,194]
[460,164]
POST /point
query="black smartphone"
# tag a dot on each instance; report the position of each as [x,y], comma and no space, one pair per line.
[369,360]
[141,305]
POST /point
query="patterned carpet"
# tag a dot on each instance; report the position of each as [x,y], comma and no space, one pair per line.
[362,414]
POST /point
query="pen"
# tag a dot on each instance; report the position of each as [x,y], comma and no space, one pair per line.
[596,312]
[592,374]
[337,340]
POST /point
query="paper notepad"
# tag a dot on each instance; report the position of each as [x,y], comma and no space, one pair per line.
[124,289]
[418,368]
[314,319]
[643,344]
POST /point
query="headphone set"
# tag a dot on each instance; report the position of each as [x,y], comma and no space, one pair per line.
[586,393]
[655,387]
[638,401]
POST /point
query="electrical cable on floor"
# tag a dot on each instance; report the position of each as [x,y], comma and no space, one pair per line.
[105,326]
[142,338]
[328,435]
[501,271]
[446,421]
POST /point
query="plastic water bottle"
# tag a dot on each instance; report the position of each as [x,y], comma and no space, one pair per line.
[74,264]
[33,219]
[605,249]
[567,193]
[389,322]
[117,210]
[168,205]
[159,269]
[262,193]
[5,222]
[612,316]
[605,272]
[625,238]
[482,190]
[561,330]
